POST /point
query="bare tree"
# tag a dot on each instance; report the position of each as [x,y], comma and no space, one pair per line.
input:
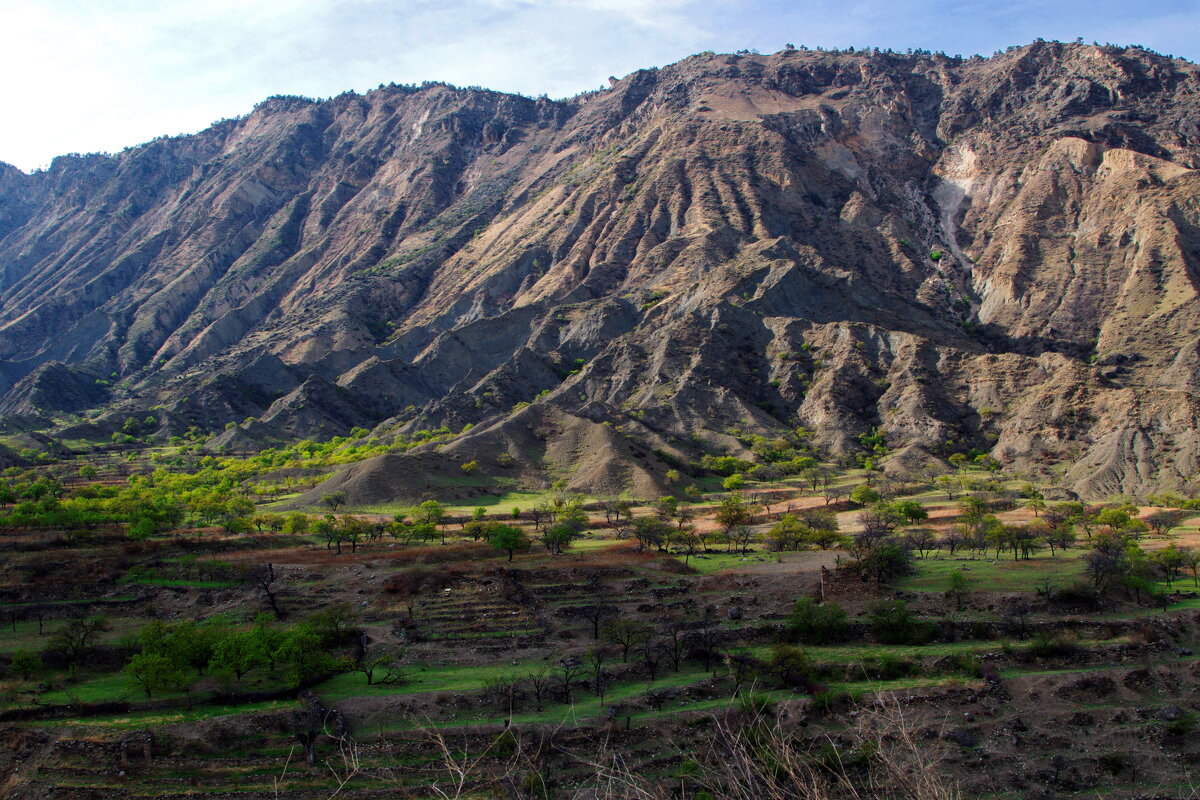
[567,672]
[626,634]
[266,581]
[597,613]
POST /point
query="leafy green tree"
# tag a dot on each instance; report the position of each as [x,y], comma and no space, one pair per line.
[864,495]
[787,534]
[949,484]
[651,532]
[732,512]
[26,664]
[558,538]
[306,659]
[239,653]
[155,673]
[508,538]
[268,638]
[296,523]
[912,511]
[734,482]
[141,529]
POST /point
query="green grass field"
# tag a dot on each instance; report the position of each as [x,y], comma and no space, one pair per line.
[1002,575]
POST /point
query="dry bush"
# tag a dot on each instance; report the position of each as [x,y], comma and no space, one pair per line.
[748,757]
[758,759]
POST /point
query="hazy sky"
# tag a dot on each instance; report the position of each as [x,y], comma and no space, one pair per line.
[99,75]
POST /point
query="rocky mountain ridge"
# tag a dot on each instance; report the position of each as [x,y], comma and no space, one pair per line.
[998,254]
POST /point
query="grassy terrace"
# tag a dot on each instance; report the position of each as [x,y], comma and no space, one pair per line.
[996,575]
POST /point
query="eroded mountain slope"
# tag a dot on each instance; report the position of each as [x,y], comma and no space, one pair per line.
[993,253]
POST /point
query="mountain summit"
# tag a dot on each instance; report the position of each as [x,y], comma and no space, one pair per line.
[995,255]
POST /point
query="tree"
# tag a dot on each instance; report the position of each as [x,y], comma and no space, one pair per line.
[76,637]
[815,475]
[949,484]
[616,509]
[381,665]
[26,664]
[596,658]
[626,634]
[509,538]
[296,522]
[665,507]
[922,540]
[238,653]
[265,580]
[1167,562]
[687,540]
[651,532]
[911,511]
[1058,529]
[864,495]
[431,512]
[558,538]
[539,684]
[734,482]
[306,658]
[887,561]
[540,515]
[1161,522]
[958,588]
[732,512]
[742,536]
[334,500]
[597,613]
[268,638]
[567,672]
[154,673]
[1109,559]
[787,534]
[893,623]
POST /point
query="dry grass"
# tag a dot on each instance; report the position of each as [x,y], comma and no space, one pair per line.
[757,758]
[747,757]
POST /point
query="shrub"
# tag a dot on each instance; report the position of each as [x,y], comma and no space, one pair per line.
[885,667]
[756,705]
[966,663]
[817,623]
[1182,725]
[826,702]
[1052,645]
[1077,595]
[893,623]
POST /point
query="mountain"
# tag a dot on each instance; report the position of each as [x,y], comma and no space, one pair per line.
[1000,254]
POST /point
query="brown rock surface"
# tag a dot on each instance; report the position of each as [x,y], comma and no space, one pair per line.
[998,253]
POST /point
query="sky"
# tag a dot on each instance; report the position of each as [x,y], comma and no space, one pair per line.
[102,75]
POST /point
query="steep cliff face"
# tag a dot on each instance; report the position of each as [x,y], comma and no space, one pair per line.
[997,253]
